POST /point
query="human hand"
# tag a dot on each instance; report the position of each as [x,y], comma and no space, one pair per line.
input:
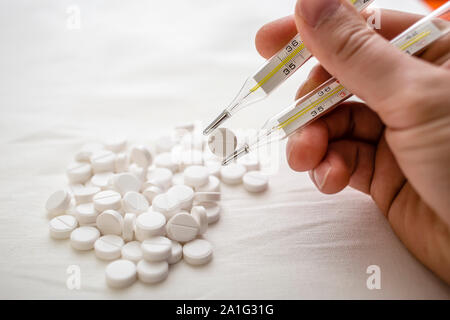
[397,146]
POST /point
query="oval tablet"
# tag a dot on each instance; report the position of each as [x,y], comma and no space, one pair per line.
[108,247]
[132,251]
[213,185]
[58,202]
[103,161]
[102,180]
[135,202]
[212,211]
[107,200]
[84,194]
[62,226]
[199,214]
[141,156]
[86,213]
[197,252]
[149,225]
[196,176]
[152,272]
[160,177]
[254,181]
[83,238]
[166,161]
[176,252]
[156,249]
[184,195]
[232,174]
[125,182]
[121,163]
[166,205]
[110,222]
[120,274]
[116,145]
[79,172]
[151,192]
[182,227]
[129,223]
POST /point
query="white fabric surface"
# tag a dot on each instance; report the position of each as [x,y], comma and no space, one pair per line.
[134,69]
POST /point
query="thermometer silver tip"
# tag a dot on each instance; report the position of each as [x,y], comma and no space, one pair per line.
[236,155]
[217,122]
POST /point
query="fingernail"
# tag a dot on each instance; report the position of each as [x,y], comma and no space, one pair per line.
[321,174]
[314,12]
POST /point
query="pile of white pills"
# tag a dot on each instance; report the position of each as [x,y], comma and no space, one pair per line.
[146,207]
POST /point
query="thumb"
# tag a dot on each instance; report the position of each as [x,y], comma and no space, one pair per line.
[367,64]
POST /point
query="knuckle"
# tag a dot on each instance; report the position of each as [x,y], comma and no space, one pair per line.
[352,41]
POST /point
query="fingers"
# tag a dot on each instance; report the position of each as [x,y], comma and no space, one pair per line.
[338,36]
[351,120]
[316,77]
[274,35]
[346,163]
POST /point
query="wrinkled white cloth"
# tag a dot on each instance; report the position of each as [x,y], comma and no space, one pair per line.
[134,69]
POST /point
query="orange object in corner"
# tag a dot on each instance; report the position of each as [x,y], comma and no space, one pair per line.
[434,4]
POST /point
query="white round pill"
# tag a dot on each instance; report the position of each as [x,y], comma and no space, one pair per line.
[222,142]
[135,202]
[156,249]
[149,225]
[213,185]
[132,251]
[110,222]
[182,227]
[116,144]
[107,200]
[177,179]
[250,163]
[206,196]
[58,203]
[84,194]
[199,214]
[151,192]
[83,238]
[196,176]
[193,141]
[164,143]
[121,163]
[120,273]
[166,205]
[125,182]
[87,150]
[129,223]
[212,211]
[184,195]
[255,181]
[108,247]
[213,167]
[160,177]
[62,226]
[86,213]
[165,160]
[102,180]
[141,156]
[103,161]
[176,252]
[197,252]
[79,172]
[152,272]
[232,174]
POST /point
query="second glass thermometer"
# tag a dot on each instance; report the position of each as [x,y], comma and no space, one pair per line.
[274,72]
